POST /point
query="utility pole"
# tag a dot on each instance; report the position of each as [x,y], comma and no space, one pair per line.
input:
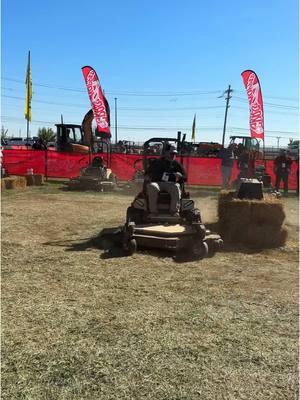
[228,91]
[278,138]
[116,122]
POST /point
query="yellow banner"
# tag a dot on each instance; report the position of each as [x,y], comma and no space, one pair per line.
[27,111]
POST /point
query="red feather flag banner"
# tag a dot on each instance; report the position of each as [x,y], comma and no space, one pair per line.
[98,101]
[253,89]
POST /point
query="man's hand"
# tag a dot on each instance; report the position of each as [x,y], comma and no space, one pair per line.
[178,175]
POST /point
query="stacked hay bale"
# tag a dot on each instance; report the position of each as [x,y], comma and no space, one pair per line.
[13,182]
[35,180]
[254,223]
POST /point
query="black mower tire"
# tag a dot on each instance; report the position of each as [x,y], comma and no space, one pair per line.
[113,178]
[199,250]
[130,247]
[98,188]
[214,246]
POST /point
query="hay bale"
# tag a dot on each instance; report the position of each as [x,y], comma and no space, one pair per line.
[265,236]
[15,182]
[255,223]
[35,179]
[30,180]
[234,212]
[38,179]
[267,212]
[226,195]
[9,182]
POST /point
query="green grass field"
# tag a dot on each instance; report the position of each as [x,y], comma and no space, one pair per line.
[77,324]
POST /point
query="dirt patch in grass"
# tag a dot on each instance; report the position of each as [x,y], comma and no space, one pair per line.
[78,326]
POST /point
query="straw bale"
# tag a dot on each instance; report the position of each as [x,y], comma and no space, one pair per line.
[30,180]
[15,182]
[226,195]
[235,212]
[270,211]
[256,223]
[266,236]
[36,179]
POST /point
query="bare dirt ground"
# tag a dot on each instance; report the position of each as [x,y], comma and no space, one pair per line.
[78,324]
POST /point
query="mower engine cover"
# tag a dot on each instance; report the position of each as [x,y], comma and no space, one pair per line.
[250,189]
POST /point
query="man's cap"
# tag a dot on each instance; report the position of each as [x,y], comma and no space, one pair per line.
[172,149]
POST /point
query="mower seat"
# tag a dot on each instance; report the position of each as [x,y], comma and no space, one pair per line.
[163,201]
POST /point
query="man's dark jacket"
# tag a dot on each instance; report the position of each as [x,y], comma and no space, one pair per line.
[159,166]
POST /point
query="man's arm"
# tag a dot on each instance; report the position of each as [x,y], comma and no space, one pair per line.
[181,171]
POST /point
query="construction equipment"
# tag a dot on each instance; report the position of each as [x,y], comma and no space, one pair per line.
[201,149]
[79,138]
[165,231]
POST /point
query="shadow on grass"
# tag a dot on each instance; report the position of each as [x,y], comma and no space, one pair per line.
[110,240]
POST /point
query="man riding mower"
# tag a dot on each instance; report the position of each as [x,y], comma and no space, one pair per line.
[94,177]
[162,215]
[165,175]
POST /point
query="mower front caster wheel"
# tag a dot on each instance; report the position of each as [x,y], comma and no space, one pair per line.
[214,246]
[130,247]
[199,250]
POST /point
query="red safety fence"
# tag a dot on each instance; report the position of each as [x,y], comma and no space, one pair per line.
[201,171]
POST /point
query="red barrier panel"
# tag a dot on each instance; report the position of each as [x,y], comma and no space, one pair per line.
[65,165]
[123,165]
[201,171]
[17,162]
[50,163]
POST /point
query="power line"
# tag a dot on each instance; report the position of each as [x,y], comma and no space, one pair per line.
[274,97]
[232,128]
[268,104]
[120,108]
[246,109]
[134,108]
[123,93]
[137,93]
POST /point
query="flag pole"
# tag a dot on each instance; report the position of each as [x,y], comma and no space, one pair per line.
[27,136]
[28,105]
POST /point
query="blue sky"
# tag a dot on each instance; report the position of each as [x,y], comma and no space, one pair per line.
[164,61]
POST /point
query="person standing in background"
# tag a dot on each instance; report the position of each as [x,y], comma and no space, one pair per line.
[227,158]
[282,169]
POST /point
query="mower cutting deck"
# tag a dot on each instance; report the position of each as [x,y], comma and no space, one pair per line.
[200,242]
[164,231]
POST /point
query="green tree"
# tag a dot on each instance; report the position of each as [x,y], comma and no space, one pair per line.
[46,134]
